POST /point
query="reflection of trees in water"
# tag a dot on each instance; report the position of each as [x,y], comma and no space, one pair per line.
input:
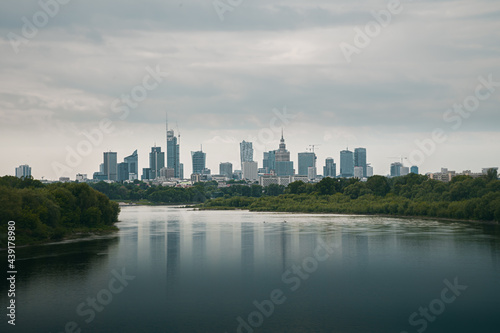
[62,259]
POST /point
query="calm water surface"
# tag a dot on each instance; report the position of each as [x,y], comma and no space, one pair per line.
[176,270]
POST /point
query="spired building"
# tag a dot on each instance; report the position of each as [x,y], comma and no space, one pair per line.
[173,153]
[283,165]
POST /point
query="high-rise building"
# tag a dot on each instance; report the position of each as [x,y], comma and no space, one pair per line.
[133,165]
[156,161]
[283,166]
[405,171]
[147,174]
[226,169]
[199,160]
[181,170]
[369,171]
[250,170]
[269,161]
[396,169]
[110,166]
[23,171]
[246,152]
[358,172]
[330,168]
[122,172]
[311,173]
[414,169]
[306,160]
[173,153]
[360,159]
[346,164]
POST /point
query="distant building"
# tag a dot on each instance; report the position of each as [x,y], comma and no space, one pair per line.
[226,169]
[195,178]
[167,173]
[246,152]
[133,165]
[156,161]
[122,172]
[369,171]
[81,178]
[405,171]
[445,175]
[346,164]
[181,172]
[396,169]
[147,174]
[306,160]
[98,176]
[360,159]
[358,172]
[485,170]
[173,154]
[250,170]
[199,160]
[414,169]
[23,171]
[64,179]
[110,165]
[206,171]
[238,175]
[311,173]
[330,168]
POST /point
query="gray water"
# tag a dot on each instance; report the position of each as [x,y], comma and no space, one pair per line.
[177,270]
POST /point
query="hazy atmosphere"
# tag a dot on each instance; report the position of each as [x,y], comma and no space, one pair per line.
[67,65]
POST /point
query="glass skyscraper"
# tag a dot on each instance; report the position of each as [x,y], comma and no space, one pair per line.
[110,165]
[360,159]
[173,153]
[199,159]
[133,165]
[156,162]
[246,152]
[330,168]
[306,160]
[346,164]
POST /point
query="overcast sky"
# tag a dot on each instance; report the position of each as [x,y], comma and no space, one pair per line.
[227,76]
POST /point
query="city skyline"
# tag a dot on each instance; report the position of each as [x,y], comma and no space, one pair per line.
[246,77]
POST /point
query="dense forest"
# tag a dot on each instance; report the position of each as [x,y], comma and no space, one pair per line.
[52,212]
[411,195]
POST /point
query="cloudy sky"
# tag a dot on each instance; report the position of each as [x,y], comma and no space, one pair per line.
[324,70]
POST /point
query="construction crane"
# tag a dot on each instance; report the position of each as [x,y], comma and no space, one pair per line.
[313,146]
[400,157]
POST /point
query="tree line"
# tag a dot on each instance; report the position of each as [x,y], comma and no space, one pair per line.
[53,211]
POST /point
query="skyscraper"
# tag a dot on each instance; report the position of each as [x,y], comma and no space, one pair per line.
[110,166]
[156,162]
[23,171]
[414,169]
[360,159]
[199,159]
[226,169]
[346,164]
[173,153]
[133,165]
[246,152]
[269,161]
[122,172]
[250,170]
[306,160]
[283,165]
[330,168]
[396,169]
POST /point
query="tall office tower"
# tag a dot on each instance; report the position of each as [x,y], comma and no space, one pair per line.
[122,172]
[369,171]
[110,166]
[133,165]
[346,164]
[250,170]
[23,171]
[156,162]
[311,173]
[405,171]
[181,170]
[199,159]
[358,172]
[173,152]
[226,169]
[330,168]
[396,169]
[360,159]
[246,152]
[269,161]
[306,160]
[283,166]
[414,169]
